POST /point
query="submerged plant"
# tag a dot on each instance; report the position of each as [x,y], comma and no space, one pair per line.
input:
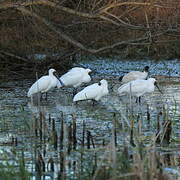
[14,169]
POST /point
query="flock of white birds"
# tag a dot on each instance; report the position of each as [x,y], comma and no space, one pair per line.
[135,83]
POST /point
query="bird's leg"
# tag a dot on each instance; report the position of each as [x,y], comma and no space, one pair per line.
[40,96]
[31,99]
[74,91]
[46,96]
[138,100]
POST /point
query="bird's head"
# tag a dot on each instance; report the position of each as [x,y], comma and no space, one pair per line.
[52,71]
[146,68]
[88,71]
[103,82]
[153,80]
[88,76]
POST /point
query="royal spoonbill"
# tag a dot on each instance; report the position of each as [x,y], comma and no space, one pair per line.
[45,83]
[93,92]
[75,77]
[133,75]
[138,87]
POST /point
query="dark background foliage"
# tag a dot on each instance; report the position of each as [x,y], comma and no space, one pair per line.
[60,30]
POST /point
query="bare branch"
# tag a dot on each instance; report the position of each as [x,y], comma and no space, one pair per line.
[124,23]
[118,4]
[14,56]
[71,40]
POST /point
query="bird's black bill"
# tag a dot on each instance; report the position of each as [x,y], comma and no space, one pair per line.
[61,82]
[158,87]
[90,73]
[120,78]
[57,76]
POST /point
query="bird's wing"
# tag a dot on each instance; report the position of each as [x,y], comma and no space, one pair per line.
[140,75]
[123,88]
[89,92]
[77,69]
[136,86]
[71,78]
[40,85]
[139,85]
[133,75]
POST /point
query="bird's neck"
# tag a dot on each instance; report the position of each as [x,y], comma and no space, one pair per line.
[51,74]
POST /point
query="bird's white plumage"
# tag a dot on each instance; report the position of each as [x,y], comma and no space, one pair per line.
[44,84]
[137,87]
[94,91]
[75,77]
[133,75]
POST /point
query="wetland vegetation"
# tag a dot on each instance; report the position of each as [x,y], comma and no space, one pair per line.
[116,139]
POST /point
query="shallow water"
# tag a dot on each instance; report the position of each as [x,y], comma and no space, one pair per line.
[120,67]
[18,114]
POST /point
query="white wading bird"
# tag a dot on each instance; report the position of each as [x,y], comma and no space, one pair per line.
[75,77]
[133,75]
[138,87]
[44,84]
[93,92]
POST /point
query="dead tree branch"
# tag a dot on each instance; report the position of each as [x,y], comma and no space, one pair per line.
[73,41]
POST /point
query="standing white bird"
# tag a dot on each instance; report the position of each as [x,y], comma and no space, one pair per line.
[75,77]
[133,75]
[44,84]
[93,92]
[138,87]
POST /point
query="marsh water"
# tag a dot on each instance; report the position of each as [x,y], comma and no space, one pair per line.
[18,116]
